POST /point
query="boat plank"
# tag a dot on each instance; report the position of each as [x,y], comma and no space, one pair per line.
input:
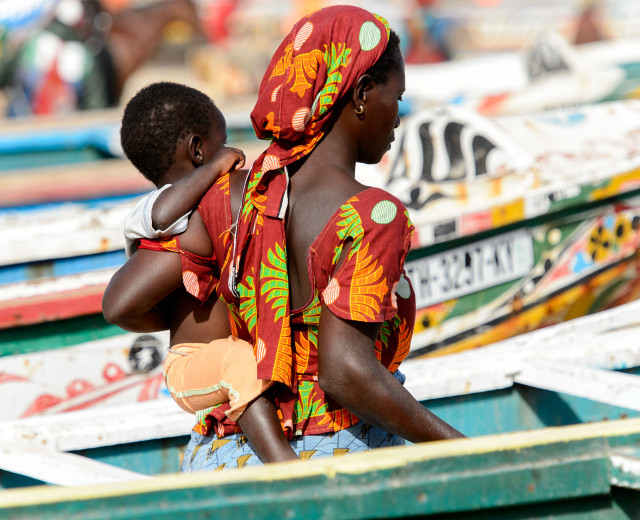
[99,427]
[606,340]
[63,469]
[604,386]
[71,182]
[525,468]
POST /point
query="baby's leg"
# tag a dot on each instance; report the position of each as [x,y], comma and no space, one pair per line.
[261,425]
[201,375]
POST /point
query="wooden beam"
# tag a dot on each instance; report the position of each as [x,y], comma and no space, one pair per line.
[70,182]
[63,469]
[604,386]
[94,428]
[526,469]
[606,340]
[52,299]
[67,230]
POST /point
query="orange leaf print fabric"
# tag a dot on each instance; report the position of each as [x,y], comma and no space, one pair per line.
[368,287]
[379,233]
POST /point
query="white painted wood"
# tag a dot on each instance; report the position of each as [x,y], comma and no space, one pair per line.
[63,469]
[505,72]
[96,373]
[626,472]
[47,286]
[604,386]
[99,427]
[608,340]
[72,229]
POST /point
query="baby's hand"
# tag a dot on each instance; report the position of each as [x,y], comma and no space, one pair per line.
[227,159]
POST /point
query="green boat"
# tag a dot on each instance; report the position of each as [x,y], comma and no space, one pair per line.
[577,472]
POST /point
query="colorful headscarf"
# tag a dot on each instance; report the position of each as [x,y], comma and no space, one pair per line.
[317,64]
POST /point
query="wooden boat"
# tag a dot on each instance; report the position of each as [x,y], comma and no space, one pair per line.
[582,372]
[572,472]
[546,74]
[473,29]
[521,221]
[541,207]
[78,157]
[116,370]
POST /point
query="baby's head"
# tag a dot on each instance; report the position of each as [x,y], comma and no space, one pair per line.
[158,117]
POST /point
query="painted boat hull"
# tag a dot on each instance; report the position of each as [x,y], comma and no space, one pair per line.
[575,472]
[578,471]
[122,369]
[562,183]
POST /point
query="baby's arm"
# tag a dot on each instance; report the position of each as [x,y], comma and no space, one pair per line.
[184,195]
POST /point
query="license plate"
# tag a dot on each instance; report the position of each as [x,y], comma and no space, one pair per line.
[471,268]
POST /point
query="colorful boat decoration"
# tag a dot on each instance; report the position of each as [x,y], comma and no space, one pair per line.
[123,369]
[521,221]
[550,382]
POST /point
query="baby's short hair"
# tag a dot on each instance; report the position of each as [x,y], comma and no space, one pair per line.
[156,118]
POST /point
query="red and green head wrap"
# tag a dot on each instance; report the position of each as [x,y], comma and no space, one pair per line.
[317,64]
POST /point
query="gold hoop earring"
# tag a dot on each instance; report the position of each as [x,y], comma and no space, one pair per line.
[360,110]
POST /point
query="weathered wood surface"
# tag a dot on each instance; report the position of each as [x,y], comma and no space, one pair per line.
[100,427]
[585,469]
[69,182]
[63,469]
[503,83]
[606,340]
[53,299]
[64,230]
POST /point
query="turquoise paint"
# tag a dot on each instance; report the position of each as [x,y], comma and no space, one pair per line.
[10,480]
[520,408]
[55,334]
[21,161]
[154,457]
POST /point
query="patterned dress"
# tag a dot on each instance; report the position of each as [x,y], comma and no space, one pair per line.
[369,286]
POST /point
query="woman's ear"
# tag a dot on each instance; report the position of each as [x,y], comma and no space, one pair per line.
[196,153]
[360,90]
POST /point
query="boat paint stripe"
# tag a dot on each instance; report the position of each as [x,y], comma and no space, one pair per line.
[353,464]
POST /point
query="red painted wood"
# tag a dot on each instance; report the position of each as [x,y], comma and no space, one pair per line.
[51,307]
[72,182]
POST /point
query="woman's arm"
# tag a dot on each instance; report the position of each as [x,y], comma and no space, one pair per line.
[133,299]
[185,194]
[134,295]
[350,373]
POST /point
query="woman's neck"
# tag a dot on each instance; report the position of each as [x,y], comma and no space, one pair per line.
[334,155]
